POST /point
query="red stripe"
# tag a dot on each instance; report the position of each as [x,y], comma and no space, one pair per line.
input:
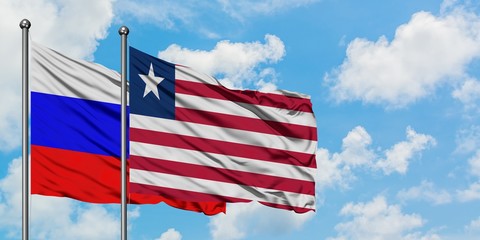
[91,178]
[221,147]
[204,197]
[244,96]
[223,175]
[181,194]
[287,207]
[63,173]
[208,208]
[246,123]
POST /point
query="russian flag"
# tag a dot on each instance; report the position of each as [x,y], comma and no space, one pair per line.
[75,132]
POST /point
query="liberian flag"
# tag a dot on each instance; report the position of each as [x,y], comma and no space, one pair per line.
[193,139]
[75,132]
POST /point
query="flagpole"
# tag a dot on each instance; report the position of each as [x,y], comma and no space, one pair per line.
[123,31]
[25,26]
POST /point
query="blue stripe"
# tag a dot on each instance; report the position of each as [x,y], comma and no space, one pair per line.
[75,124]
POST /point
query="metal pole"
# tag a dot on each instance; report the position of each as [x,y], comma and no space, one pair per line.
[123,31]
[25,26]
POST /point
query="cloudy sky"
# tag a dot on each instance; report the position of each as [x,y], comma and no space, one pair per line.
[395,87]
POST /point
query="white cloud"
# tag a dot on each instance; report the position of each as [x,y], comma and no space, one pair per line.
[193,15]
[242,69]
[90,222]
[357,152]
[337,168]
[425,191]
[448,5]
[472,193]
[170,234]
[474,163]
[398,157]
[201,16]
[161,12]
[333,171]
[11,195]
[70,26]
[52,217]
[378,220]
[468,93]
[473,226]
[420,236]
[471,231]
[411,66]
[268,79]
[134,213]
[168,14]
[246,219]
[242,9]
[73,27]
[468,139]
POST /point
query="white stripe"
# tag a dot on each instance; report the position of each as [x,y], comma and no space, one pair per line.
[222,134]
[54,73]
[245,110]
[188,74]
[222,188]
[221,161]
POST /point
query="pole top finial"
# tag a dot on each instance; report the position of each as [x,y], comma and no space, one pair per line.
[123,30]
[25,24]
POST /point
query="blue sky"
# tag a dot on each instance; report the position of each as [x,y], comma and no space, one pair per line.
[394,84]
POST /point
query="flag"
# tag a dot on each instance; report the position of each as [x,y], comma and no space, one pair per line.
[193,139]
[75,133]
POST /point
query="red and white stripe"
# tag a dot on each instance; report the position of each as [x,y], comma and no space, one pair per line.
[227,145]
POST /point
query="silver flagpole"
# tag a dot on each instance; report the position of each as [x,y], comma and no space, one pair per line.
[25,26]
[123,31]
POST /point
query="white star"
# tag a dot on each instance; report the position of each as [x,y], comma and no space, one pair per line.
[151,82]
